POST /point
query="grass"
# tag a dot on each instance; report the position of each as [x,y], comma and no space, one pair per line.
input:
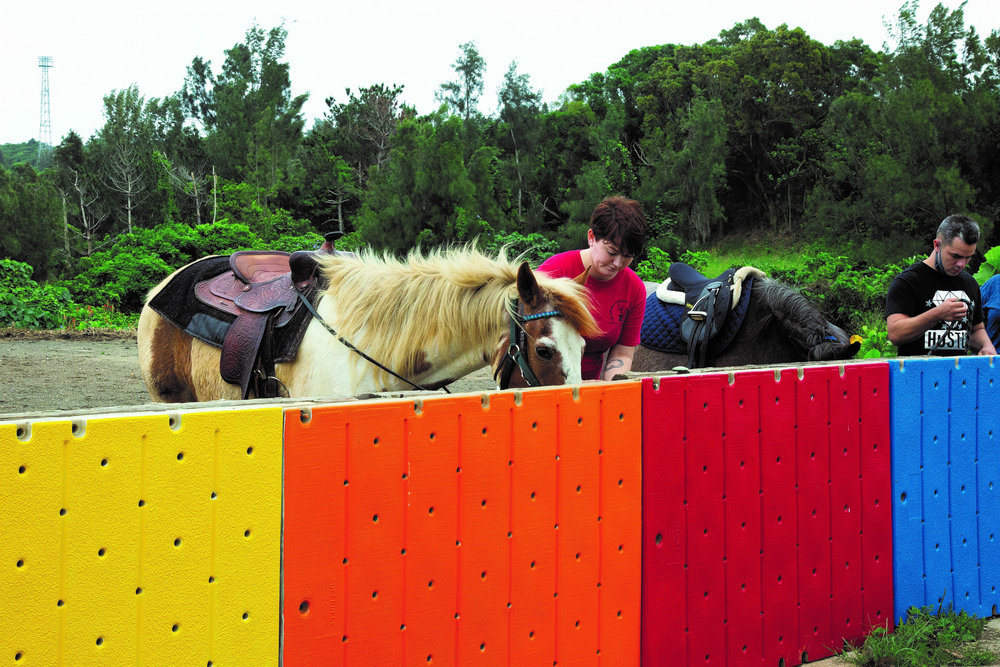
[769,250]
[763,250]
[928,638]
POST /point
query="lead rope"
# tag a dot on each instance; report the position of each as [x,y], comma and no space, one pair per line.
[351,347]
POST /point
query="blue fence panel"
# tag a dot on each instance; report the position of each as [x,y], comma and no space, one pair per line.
[945,424]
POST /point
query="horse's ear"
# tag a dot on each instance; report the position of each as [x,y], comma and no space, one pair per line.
[527,287]
[582,278]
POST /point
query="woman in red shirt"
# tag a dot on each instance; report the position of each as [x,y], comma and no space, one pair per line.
[617,234]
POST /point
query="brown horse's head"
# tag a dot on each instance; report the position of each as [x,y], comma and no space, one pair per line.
[549,325]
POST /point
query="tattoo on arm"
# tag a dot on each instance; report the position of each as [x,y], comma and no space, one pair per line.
[614,363]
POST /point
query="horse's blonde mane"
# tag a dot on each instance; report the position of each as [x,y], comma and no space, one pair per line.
[457,299]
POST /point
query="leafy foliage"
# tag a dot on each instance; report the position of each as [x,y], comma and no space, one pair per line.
[760,129]
[23,303]
[990,266]
[927,638]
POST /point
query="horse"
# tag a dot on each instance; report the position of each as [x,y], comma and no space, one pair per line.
[429,318]
[781,326]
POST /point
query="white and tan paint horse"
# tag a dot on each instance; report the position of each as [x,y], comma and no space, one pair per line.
[431,319]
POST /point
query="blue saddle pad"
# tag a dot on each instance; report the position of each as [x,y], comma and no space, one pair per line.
[661,326]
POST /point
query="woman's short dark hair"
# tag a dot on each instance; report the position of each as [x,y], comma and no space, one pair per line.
[620,221]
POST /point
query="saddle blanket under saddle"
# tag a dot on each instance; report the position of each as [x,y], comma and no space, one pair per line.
[661,326]
[177,304]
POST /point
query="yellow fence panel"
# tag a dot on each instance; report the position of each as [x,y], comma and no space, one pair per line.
[141,539]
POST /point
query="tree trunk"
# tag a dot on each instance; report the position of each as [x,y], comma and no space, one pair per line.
[215,195]
[197,199]
[65,227]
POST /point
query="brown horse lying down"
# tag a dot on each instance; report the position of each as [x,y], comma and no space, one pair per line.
[781,326]
[431,319]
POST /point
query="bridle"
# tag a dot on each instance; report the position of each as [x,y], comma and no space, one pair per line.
[515,355]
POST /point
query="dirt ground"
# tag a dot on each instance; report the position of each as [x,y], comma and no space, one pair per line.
[43,371]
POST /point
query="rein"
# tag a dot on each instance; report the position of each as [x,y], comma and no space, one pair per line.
[515,351]
[351,347]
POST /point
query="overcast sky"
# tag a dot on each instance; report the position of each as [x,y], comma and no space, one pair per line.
[102,45]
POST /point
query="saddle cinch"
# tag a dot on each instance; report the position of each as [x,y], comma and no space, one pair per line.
[713,310]
[253,310]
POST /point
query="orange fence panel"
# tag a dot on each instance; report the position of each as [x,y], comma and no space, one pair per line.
[502,529]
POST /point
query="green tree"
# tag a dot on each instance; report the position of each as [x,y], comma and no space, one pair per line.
[30,214]
[517,136]
[914,148]
[126,146]
[427,195]
[253,123]
[462,94]
[363,129]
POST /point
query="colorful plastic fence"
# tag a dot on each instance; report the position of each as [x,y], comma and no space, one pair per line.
[746,519]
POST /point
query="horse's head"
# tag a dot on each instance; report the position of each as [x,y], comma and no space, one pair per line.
[801,324]
[836,345]
[546,333]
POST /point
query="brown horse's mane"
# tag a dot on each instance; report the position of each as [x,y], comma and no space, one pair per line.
[793,312]
[450,301]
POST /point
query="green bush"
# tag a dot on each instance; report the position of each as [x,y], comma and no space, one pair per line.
[26,305]
[990,266]
[654,268]
[533,248]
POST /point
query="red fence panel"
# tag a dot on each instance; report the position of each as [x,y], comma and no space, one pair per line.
[766,521]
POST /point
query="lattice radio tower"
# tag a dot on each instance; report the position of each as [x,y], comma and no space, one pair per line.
[45,124]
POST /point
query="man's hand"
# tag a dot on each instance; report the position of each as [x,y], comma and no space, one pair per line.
[952,310]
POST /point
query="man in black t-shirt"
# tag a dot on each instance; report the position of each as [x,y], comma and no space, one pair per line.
[930,304]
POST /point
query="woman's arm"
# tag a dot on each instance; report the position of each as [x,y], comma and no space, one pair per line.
[619,361]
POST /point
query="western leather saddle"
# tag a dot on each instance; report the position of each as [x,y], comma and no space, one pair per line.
[261,290]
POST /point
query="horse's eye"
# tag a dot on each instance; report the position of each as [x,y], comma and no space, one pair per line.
[545,353]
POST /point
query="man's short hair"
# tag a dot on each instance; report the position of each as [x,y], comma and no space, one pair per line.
[961,226]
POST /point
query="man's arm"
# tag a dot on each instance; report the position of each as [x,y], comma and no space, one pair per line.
[979,341]
[905,329]
[619,361]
